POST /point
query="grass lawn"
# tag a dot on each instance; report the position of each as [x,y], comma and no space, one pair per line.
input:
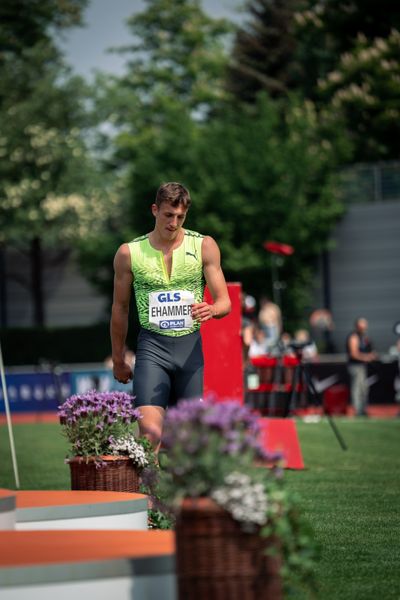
[351,498]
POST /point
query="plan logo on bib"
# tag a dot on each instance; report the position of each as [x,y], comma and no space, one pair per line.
[176,324]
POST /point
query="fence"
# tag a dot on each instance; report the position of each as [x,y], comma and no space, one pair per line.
[376,182]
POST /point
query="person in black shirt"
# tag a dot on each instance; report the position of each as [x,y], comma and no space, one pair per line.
[360,353]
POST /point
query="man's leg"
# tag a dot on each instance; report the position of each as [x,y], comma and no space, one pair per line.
[187,379]
[364,391]
[151,423]
[151,389]
[188,385]
[151,386]
[357,386]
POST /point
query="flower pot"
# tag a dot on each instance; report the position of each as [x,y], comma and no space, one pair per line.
[113,473]
[217,560]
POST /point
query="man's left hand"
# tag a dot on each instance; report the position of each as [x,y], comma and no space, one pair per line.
[203,312]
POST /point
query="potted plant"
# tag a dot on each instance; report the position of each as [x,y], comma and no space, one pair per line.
[105,451]
[238,529]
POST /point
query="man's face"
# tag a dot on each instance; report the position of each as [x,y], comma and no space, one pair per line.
[362,325]
[169,219]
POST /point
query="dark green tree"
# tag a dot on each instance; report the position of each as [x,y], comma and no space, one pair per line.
[364,91]
[259,177]
[255,172]
[309,46]
[173,82]
[327,30]
[26,23]
[262,58]
[180,55]
[45,169]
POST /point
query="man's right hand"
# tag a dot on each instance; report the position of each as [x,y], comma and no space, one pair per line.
[122,372]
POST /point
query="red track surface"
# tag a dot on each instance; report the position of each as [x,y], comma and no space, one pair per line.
[37,417]
[377,411]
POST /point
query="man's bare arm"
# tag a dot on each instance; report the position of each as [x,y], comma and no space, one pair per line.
[120,312]
[216,283]
[355,352]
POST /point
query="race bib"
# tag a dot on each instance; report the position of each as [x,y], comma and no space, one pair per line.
[171,310]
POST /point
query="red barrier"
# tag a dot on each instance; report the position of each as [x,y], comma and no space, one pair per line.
[336,400]
[222,346]
[281,435]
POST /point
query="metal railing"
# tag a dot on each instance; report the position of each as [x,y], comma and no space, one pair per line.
[374,182]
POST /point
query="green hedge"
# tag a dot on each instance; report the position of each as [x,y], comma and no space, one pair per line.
[31,346]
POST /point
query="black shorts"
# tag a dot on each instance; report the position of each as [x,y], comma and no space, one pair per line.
[167,369]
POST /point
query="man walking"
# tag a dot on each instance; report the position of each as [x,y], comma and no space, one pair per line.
[168,268]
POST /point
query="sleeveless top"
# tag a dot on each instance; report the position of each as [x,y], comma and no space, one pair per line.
[364,346]
[163,301]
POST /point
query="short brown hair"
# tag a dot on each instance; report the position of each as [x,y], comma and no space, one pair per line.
[173,193]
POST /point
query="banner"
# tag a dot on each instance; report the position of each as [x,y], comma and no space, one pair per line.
[45,391]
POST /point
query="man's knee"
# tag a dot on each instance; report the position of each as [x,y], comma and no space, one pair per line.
[151,423]
[151,431]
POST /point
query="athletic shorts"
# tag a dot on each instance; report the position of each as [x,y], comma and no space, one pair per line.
[167,369]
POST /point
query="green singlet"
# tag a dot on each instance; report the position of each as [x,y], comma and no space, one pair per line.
[164,302]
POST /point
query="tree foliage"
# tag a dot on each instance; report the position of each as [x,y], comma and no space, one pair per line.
[26,23]
[180,54]
[47,178]
[342,55]
[260,176]
[258,144]
[328,29]
[364,89]
[262,55]
[255,173]
[173,81]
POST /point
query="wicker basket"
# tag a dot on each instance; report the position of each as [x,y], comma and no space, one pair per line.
[114,474]
[216,560]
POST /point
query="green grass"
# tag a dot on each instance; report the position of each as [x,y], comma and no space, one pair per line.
[351,497]
[41,450]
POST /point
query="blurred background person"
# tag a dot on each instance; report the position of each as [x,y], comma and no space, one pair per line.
[310,350]
[394,354]
[359,354]
[249,318]
[259,343]
[270,319]
[322,326]
[284,344]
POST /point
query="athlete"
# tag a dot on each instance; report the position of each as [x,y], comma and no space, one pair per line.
[168,269]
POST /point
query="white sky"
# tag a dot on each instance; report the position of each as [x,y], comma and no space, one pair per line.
[86,47]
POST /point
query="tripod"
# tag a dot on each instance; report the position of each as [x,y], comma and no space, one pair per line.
[302,376]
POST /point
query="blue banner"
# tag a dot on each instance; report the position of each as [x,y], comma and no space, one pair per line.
[98,379]
[35,392]
[45,391]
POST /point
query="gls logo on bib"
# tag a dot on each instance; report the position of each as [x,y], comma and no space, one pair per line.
[169,297]
[171,310]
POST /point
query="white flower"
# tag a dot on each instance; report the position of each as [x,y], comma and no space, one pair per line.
[128,445]
[245,500]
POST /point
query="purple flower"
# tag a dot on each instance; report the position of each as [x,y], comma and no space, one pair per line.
[94,417]
[93,402]
[237,426]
